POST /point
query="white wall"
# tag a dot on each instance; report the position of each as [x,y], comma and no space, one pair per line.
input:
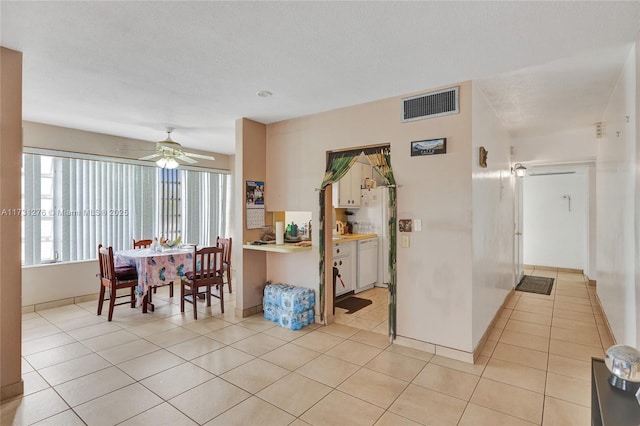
[493,216]
[617,235]
[554,235]
[572,145]
[46,283]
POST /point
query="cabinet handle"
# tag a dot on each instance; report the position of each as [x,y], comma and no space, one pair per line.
[337,250]
[335,264]
[340,263]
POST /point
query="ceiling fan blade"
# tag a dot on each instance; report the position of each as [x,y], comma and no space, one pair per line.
[149,157]
[204,157]
[186,159]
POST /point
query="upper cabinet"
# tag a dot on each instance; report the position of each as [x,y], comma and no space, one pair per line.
[346,193]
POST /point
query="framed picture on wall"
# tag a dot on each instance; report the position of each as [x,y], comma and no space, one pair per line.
[429,147]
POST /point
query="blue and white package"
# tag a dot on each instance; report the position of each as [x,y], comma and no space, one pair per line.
[291,307]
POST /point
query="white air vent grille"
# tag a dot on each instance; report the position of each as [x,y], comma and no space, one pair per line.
[429,105]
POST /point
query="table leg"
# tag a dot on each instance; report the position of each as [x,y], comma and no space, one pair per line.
[146,305]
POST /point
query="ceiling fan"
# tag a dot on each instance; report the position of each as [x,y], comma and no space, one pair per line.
[169,152]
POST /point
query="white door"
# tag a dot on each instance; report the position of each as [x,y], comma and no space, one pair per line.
[518,243]
[556,217]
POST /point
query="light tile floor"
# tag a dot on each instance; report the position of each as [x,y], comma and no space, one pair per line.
[164,368]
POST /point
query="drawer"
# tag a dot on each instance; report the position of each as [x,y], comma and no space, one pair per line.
[343,249]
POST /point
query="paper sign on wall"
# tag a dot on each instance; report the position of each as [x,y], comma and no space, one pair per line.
[255,204]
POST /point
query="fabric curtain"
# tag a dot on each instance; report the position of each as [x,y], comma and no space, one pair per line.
[338,164]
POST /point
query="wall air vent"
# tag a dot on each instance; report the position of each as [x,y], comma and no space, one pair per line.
[429,105]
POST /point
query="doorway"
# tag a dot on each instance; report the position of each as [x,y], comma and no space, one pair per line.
[556,212]
[337,166]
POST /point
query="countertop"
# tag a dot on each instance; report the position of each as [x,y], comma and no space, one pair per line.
[277,248]
[292,248]
[345,238]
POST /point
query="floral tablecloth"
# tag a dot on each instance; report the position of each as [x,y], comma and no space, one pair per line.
[156,268]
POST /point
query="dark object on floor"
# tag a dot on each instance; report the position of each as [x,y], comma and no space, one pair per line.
[352,304]
[531,284]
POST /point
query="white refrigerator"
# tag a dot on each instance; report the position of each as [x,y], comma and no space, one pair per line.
[373,213]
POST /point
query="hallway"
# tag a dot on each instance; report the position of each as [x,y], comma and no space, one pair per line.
[165,368]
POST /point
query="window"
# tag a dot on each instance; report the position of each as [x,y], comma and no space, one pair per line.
[70,205]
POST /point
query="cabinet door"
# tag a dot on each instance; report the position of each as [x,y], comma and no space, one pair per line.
[345,268]
[349,187]
[356,184]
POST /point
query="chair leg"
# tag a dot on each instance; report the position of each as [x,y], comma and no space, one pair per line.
[133,297]
[221,290]
[171,289]
[229,277]
[181,297]
[208,295]
[150,293]
[112,302]
[194,297]
[101,299]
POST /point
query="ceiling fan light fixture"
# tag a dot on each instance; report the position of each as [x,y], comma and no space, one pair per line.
[161,162]
[171,164]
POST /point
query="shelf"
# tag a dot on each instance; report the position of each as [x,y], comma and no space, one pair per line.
[609,405]
[277,248]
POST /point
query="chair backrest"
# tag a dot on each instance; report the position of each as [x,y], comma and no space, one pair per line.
[142,244]
[107,265]
[225,245]
[207,266]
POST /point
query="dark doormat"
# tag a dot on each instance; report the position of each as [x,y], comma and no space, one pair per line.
[352,304]
[531,284]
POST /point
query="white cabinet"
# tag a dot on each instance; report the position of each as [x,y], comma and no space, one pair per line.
[344,258]
[367,264]
[346,193]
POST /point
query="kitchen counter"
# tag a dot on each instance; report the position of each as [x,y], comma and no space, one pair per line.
[277,248]
[345,238]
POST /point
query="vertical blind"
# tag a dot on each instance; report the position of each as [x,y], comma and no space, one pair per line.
[71,205]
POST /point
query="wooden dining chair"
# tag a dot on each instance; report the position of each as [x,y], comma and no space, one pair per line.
[139,244]
[206,275]
[114,279]
[225,245]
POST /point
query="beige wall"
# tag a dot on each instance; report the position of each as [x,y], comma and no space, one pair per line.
[251,266]
[10,271]
[38,135]
[435,272]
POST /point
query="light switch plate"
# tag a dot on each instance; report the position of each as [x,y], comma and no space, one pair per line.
[417,225]
[405,241]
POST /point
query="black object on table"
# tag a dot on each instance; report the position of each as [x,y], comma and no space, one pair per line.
[609,405]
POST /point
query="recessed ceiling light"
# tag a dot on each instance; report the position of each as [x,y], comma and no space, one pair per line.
[264,93]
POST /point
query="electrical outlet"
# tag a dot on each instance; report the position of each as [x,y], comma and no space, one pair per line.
[405,241]
[417,225]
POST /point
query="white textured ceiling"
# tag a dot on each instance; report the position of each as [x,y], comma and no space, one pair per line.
[132,68]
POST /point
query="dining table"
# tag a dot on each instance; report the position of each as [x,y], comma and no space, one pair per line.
[156,267]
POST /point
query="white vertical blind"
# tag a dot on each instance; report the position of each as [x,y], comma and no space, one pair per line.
[109,203]
[205,216]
